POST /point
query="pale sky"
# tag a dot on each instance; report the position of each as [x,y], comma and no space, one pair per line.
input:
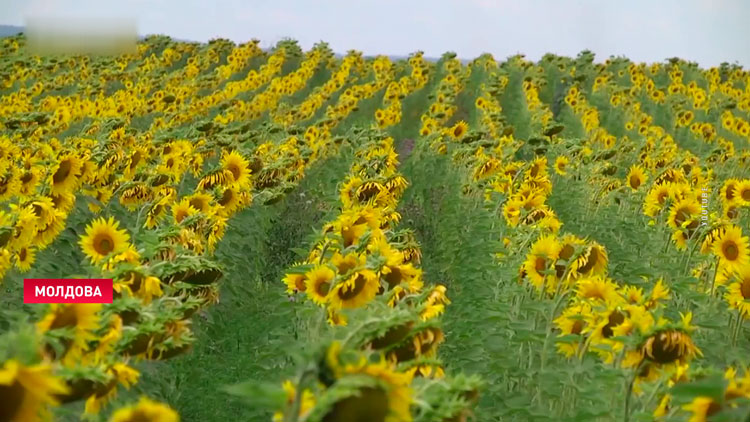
[706,31]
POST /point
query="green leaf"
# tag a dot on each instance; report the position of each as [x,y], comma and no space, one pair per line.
[712,387]
[259,394]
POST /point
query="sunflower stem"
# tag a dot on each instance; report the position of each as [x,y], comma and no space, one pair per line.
[690,256]
[550,326]
[737,328]
[713,279]
[629,393]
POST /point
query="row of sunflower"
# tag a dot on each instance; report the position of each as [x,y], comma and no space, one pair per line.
[616,321]
[678,198]
[340,78]
[453,79]
[283,86]
[391,112]
[43,175]
[163,275]
[378,359]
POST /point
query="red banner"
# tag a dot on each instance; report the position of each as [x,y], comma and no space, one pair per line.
[67,290]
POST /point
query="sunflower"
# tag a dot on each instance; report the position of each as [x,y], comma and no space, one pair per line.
[157,211]
[732,248]
[306,405]
[738,292]
[136,195]
[146,411]
[346,263]
[542,257]
[382,394]
[350,229]
[44,209]
[572,321]
[402,275]
[230,201]
[10,185]
[118,373]
[182,210]
[81,318]
[728,189]
[670,345]
[44,237]
[103,238]
[680,239]
[538,169]
[458,130]
[295,282]
[592,262]
[26,391]
[64,176]
[29,181]
[561,165]
[656,199]
[683,214]
[144,286]
[597,289]
[356,291]
[318,283]
[22,230]
[25,258]
[636,177]
[742,191]
[239,166]
[63,201]
[702,408]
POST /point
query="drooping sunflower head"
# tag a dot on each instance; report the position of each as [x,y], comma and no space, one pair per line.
[669,346]
[593,261]
[103,238]
[359,389]
[80,320]
[157,211]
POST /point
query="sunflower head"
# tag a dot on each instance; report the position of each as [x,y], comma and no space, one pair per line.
[103,238]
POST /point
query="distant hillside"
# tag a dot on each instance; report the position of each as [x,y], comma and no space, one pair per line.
[9,30]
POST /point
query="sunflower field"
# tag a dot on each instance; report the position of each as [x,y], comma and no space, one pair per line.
[297,236]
